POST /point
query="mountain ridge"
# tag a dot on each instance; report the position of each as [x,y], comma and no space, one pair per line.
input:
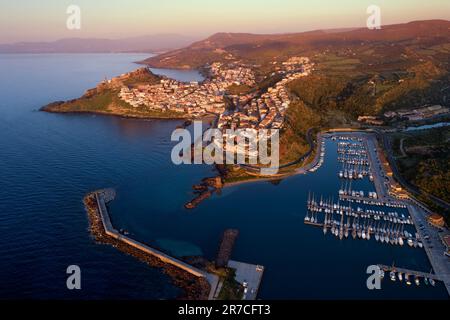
[247,45]
[146,44]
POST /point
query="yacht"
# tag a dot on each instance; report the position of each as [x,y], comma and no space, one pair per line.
[410,243]
[307,219]
[408,282]
[392,275]
[417,281]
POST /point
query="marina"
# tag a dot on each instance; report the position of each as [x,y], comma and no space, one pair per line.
[369,215]
[269,216]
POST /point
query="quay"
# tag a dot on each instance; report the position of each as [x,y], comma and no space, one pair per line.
[104,196]
[433,247]
[249,276]
[419,274]
[371,201]
[350,229]
[388,202]
[418,213]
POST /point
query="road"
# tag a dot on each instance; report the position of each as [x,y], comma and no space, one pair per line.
[309,139]
[408,186]
[433,246]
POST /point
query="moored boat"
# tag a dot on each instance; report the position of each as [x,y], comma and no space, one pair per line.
[408,282]
[392,275]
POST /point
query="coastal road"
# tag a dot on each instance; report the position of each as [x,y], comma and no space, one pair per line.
[433,246]
[408,186]
[309,140]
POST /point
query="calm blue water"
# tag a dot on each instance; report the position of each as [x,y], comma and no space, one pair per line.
[300,261]
[50,161]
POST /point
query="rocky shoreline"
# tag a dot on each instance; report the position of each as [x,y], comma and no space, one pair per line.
[52,108]
[207,188]
[194,288]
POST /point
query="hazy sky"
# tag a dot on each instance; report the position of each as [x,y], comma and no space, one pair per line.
[41,20]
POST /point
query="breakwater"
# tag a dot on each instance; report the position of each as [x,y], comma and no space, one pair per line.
[197,284]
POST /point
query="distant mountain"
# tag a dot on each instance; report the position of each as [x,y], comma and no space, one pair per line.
[149,43]
[262,48]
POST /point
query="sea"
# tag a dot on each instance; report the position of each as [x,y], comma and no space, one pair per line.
[50,161]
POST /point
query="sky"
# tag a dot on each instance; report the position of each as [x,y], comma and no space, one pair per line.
[45,20]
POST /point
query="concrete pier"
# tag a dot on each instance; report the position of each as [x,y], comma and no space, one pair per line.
[410,272]
[104,196]
[250,275]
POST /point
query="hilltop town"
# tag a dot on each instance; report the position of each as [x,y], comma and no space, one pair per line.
[254,109]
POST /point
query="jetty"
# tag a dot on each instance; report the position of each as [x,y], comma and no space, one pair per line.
[104,196]
[389,219]
[226,247]
[415,273]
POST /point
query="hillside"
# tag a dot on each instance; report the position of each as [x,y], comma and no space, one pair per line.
[104,98]
[263,49]
[358,71]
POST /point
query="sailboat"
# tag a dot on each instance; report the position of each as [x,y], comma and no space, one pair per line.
[307,219]
[432,282]
[347,225]
[392,275]
[417,281]
[408,282]
[363,232]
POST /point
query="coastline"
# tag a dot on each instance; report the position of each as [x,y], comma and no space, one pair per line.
[127,116]
[304,169]
[119,115]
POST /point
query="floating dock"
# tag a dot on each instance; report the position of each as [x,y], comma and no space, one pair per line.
[419,274]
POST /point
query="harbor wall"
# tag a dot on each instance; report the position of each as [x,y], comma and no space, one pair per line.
[112,232]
